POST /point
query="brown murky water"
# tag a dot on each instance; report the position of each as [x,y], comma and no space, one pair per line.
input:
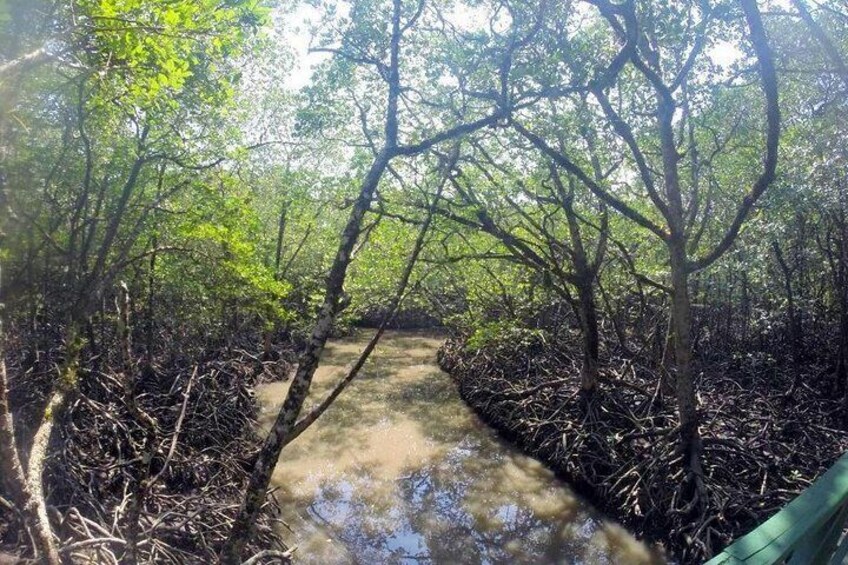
[399,470]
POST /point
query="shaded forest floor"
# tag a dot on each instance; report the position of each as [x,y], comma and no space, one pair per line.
[199,442]
[761,446]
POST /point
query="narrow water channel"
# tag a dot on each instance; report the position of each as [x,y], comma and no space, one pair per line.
[400,470]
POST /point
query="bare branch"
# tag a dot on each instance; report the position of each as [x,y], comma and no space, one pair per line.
[768,78]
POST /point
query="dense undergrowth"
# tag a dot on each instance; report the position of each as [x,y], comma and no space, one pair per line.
[673,173]
[764,441]
[193,459]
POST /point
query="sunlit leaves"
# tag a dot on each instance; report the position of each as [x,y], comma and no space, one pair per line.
[224,236]
[152,51]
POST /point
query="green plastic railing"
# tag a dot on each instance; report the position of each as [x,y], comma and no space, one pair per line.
[807,531]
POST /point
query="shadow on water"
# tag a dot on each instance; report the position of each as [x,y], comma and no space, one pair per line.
[399,470]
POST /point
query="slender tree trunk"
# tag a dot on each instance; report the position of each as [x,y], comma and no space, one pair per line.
[281,231]
[26,488]
[13,475]
[746,307]
[400,292]
[37,504]
[269,453]
[151,309]
[795,336]
[615,318]
[589,325]
[11,471]
[136,501]
[268,332]
[267,344]
[842,353]
[667,358]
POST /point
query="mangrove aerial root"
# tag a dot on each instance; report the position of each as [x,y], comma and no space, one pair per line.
[620,447]
[204,416]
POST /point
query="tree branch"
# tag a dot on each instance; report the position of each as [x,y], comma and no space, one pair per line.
[768,78]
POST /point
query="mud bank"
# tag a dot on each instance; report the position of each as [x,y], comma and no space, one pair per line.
[619,450]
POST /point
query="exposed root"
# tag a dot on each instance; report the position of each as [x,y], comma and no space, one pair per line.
[204,428]
[621,447]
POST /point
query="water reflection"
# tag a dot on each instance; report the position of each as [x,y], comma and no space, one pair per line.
[400,471]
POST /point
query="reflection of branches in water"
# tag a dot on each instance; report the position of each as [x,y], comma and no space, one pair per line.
[370,536]
[315,514]
[431,515]
[438,498]
[474,502]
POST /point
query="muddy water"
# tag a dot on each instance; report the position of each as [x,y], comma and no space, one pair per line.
[399,470]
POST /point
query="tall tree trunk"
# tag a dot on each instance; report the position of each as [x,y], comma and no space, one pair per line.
[681,307]
[400,293]
[269,453]
[681,319]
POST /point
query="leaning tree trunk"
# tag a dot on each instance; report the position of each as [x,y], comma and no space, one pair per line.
[308,363]
[25,487]
[394,305]
[11,471]
[36,509]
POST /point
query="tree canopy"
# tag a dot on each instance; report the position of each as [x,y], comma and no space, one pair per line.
[655,190]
